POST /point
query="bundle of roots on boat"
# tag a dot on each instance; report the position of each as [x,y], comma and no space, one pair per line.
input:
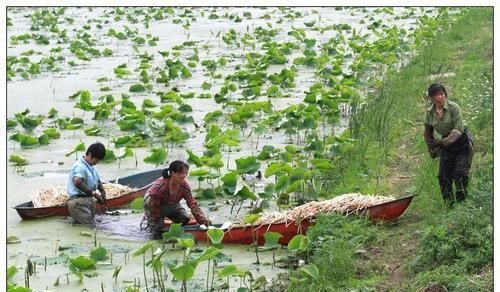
[57,195]
[344,204]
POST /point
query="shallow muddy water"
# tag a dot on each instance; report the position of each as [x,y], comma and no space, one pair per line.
[49,238]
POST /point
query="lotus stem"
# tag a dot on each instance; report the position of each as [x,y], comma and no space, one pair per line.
[144,270]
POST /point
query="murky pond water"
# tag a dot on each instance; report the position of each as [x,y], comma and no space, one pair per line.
[49,238]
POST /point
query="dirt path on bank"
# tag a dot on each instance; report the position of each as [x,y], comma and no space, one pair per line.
[400,241]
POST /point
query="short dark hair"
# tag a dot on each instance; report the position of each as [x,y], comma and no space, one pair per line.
[175,166]
[434,88]
[96,150]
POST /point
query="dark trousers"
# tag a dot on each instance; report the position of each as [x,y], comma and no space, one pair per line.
[82,210]
[454,167]
[174,212]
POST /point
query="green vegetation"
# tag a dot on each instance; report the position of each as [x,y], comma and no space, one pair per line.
[430,246]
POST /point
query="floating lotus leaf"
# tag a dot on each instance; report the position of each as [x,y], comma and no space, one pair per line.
[18,160]
[137,88]
[52,133]
[13,239]
[99,254]
[148,103]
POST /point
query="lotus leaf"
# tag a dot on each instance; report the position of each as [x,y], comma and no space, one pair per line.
[216,235]
[299,242]
[184,272]
[137,204]
[147,246]
[78,148]
[310,270]
[137,88]
[245,193]
[109,156]
[247,165]
[18,160]
[11,271]
[208,254]
[13,239]
[83,262]
[271,240]
[52,133]
[193,158]
[158,156]
[99,254]
[251,218]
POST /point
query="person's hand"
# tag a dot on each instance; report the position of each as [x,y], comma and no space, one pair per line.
[103,196]
[434,152]
[207,223]
[431,144]
[99,198]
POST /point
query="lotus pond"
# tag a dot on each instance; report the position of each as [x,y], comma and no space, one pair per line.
[230,90]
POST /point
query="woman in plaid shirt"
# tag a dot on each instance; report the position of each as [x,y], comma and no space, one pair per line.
[163,197]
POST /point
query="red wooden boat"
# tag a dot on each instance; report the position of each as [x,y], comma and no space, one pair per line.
[141,181]
[388,211]
[243,234]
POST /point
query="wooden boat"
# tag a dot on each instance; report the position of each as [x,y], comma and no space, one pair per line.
[243,234]
[388,211]
[142,181]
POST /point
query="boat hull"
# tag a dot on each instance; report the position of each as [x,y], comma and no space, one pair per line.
[389,211]
[243,235]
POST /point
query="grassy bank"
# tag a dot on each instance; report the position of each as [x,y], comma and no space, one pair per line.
[430,248]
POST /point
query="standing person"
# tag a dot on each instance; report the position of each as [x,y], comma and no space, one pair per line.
[83,181]
[455,146]
[163,197]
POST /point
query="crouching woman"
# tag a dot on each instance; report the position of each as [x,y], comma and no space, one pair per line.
[163,197]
